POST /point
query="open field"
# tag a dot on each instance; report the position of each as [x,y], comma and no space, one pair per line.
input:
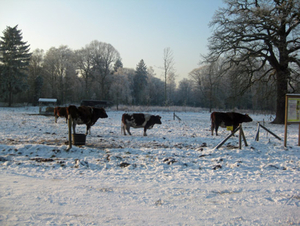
[174,176]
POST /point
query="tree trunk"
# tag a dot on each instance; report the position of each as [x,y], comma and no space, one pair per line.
[10,99]
[9,95]
[281,82]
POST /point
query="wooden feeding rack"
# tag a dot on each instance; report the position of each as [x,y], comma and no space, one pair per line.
[46,102]
[241,136]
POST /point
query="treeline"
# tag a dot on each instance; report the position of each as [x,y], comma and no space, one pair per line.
[252,63]
[96,72]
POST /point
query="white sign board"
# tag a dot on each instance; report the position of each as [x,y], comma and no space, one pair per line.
[292,113]
[293,106]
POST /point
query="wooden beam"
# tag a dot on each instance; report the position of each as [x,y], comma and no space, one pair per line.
[220,144]
[70,131]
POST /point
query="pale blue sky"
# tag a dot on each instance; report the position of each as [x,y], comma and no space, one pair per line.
[138,29]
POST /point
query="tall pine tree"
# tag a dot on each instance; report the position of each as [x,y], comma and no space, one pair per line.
[14,59]
[140,83]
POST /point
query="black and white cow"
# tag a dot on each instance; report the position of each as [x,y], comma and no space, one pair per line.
[139,120]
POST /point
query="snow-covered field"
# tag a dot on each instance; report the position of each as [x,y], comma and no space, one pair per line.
[174,176]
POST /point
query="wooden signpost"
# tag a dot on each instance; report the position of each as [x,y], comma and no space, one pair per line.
[292,113]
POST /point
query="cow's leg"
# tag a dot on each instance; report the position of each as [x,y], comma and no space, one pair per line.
[56,118]
[234,127]
[123,129]
[128,129]
[145,129]
[66,119]
[217,127]
[74,126]
[88,130]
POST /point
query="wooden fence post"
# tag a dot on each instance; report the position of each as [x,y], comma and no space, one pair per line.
[70,131]
[240,137]
[243,135]
[269,131]
[257,132]
[220,144]
[175,116]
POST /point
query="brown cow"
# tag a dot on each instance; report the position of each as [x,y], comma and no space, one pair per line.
[85,115]
[225,119]
[60,112]
[139,120]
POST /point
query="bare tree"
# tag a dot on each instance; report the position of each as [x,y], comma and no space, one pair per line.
[265,31]
[206,80]
[85,66]
[168,68]
[35,71]
[154,89]
[104,57]
[184,92]
[58,63]
[120,92]
[50,75]
[171,88]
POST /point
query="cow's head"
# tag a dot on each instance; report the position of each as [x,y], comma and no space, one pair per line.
[156,119]
[100,112]
[73,111]
[247,118]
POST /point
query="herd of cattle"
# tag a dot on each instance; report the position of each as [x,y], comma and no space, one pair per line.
[89,116]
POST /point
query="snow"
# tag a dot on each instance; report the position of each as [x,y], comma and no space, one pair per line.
[174,176]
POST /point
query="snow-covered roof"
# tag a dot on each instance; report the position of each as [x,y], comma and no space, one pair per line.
[47,100]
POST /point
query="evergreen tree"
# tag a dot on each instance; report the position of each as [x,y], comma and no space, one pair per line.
[140,82]
[14,57]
